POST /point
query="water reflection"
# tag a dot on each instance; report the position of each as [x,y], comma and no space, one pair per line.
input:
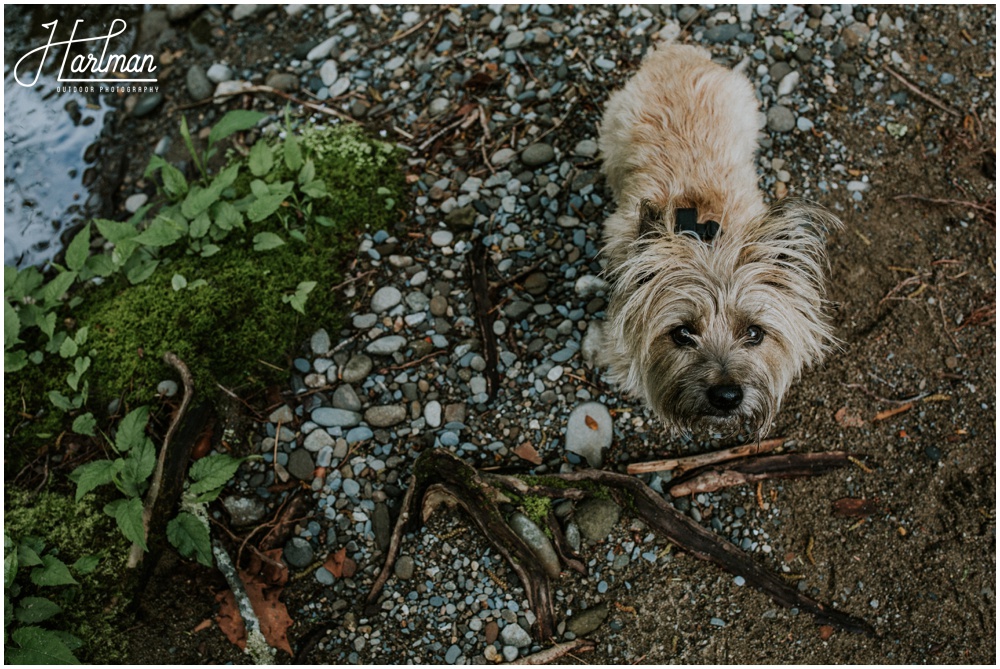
[47,134]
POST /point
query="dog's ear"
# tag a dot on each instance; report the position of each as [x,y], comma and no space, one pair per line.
[650,219]
[792,234]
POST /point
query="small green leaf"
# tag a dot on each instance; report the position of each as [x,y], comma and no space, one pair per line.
[190,536]
[209,250]
[94,474]
[85,424]
[298,303]
[197,283]
[234,121]
[27,556]
[86,564]
[9,564]
[54,571]
[99,265]
[307,173]
[36,357]
[259,188]
[198,200]
[128,514]
[200,225]
[325,221]
[80,367]
[264,241]
[115,231]
[226,177]
[13,361]
[60,400]
[173,181]
[261,159]
[69,348]
[178,282]
[79,249]
[37,646]
[137,468]
[315,189]
[57,287]
[212,472]
[298,235]
[293,154]
[186,136]
[35,609]
[161,232]
[227,216]
[132,429]
[141,270]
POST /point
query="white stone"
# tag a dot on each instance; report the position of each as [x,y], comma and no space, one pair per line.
[321,50]
[328,72]
[589,431]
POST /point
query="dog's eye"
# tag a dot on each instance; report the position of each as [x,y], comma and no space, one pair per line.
[755,335]
[682,336]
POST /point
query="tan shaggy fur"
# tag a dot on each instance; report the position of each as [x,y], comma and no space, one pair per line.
[686,318]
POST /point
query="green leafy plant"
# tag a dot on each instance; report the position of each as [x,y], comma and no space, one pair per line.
[26,641]
[130,473]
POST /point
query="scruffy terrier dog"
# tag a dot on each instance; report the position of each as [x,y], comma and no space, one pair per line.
[717,301]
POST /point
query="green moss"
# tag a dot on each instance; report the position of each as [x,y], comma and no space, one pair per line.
[537,510]
[75,530]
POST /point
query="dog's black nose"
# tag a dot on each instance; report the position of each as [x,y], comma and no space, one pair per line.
[725,397]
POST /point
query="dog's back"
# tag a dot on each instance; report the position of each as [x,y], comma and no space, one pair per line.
[682,126]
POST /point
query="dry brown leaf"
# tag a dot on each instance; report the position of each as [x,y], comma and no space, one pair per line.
[270,611]
[591,423]
[335,563]
[528,452]
[825,632]
[847,418]
[855,507]
[203,625]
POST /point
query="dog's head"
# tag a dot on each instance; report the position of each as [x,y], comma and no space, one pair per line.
[712,334]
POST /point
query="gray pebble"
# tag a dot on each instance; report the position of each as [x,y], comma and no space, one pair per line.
[385,416]
[385,298]
[330,417]
[538,154]
[357,368]
[780,119]
[298,553]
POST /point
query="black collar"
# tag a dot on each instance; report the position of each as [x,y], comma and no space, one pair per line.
[686,220]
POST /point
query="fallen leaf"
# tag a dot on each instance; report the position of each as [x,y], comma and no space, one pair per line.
[825,632]
[848,419]
[266,604]
[854,507]
[527,452]
[591,423]
[350,567]
[203,625]
[335,563]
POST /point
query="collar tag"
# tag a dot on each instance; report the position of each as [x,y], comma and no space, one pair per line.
[686,220]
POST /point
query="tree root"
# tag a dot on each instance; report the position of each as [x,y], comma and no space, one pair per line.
[442,478]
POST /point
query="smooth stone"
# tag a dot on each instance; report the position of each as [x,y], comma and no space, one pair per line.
[218,73]
[432,413]
[586,148]
[385,298]
[537,154]
[298,553]
[301,465]
[166,388]
[596,518]
[244,510]
[510,653]
[722,33]
[589,438]
[788,83]
[344,397]
[780,119]
[357,368]
[381,526]
[536,283]
[330,417]
[503,156]
[452,655]
[587,621]
[320,342]
[227,89]
[441,238]
[241,12]
[147,104]
[134,202]
[282,81]
[537,541]
[359,434]
[318,439]
[328,72]
[340,87]
[198,85]
[386,415]
[282,414]
[350,487]
[386,345]
[405,568]
[321,50]
[514,635]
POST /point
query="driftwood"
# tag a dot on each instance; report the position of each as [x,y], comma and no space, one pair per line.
[442,478]
[792,465]
[484,316]
[686,463]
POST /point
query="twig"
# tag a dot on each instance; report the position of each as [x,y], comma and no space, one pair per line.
[889,413]
[257,646]
[959,203]
[430,17]
[523,274]
[411,363]
[430,140]
[549,655]
[352,280]
[481,292]
[136,552]
[759,469]
[929,98]
[689,462]
[866,391]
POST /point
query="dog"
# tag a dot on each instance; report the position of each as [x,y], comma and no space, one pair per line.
[716,300]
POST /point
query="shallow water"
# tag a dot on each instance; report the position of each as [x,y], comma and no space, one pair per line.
[47,133]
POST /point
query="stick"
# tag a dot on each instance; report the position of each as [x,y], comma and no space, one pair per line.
[136,552]
[889,413]
[759,469]
[960,203]
[480,289]
[549,655]
[929,98]
[689,462]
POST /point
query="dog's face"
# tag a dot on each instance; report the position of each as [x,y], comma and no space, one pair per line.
[713,334]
